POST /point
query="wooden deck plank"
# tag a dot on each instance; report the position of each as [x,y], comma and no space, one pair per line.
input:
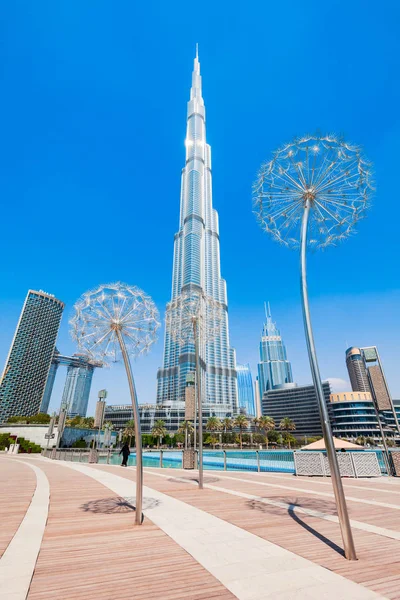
[17,485]
[91,550]
[378,566]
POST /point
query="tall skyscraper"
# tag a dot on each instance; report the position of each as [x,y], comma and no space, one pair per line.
[357,371]
[27,367]
[245,390]
[274,368]
[196,267]
[77,386]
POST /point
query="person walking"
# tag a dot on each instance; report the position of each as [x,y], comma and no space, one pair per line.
[125,451]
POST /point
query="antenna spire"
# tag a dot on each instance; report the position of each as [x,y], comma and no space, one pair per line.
[197,51]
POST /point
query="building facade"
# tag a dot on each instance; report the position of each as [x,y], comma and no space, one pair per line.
[274,368]
[196,268]
[299,403]
[77,386]
[357,371]
[28,363]
[245,390]
[353,415]
[119,415]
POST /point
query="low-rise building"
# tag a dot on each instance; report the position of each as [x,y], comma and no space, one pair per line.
[299,403]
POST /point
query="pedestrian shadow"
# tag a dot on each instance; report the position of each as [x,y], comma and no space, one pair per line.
[325,507]
[116,505]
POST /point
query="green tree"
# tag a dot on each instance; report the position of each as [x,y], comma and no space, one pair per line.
[159,431]
[287,425]
[40,419]
[214,424]
[242,422]
[227,424]
[266,424]
[129,431]
[185,428]
[17,419]
[212,439]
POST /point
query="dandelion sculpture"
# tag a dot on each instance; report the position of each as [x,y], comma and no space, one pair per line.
[194,319]
[312,193]
[113,320]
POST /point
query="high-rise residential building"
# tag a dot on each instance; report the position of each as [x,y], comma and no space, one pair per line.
[299,403]
[77,386]
[196,268]
[28,363]
[274,368]
[245,390]
[357,370]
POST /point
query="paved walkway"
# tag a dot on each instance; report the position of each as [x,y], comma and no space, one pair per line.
[247,535]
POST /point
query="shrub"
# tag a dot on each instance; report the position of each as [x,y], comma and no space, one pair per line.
[79,444]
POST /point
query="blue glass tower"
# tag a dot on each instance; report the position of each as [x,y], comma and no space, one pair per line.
[273,369]
[245,390]
[196,267]
[77,386]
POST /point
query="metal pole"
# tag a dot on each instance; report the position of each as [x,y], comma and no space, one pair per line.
[258,460]
[199,402]
[161,457]
[347,536]
[138,432]
[224,460]
[195,412]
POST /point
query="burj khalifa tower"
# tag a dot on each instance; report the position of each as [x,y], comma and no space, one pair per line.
[196,267]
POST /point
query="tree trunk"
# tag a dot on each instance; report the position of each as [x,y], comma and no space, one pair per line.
[266,439]
[241,441]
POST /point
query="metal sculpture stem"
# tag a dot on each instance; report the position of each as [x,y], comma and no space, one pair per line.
[347,536]
[138,432]
[196,333]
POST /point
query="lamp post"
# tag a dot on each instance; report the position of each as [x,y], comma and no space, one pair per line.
[310,195]
[195,319]
[117,320]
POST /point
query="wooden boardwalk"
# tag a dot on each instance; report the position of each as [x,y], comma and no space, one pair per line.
[91,551]
[378,565]
[17,485]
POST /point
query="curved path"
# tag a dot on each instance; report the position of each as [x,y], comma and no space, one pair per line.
[245,536]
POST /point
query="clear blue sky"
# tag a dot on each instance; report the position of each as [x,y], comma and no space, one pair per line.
[94,103]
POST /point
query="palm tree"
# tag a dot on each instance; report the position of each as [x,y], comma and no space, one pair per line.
[242,422]
[265,424]
[227,424]
[159,431]
[213,425]
[287,425]
[186,427]
[129,431]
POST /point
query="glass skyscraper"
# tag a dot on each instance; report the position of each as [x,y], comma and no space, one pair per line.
[274,368]
[28,364]
[77,386]
[245,390]
[196,267]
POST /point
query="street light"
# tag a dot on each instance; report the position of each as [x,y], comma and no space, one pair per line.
[194,319]
[311,194]
[116,320]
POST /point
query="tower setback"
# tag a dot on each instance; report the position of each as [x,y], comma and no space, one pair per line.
[196,267]
[274,368]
